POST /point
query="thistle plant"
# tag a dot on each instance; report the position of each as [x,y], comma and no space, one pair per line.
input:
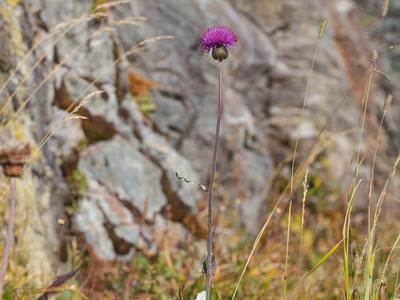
[215,40]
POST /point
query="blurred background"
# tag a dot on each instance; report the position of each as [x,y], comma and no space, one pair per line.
[117,103]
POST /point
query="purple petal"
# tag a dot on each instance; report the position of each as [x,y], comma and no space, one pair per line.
[217,36]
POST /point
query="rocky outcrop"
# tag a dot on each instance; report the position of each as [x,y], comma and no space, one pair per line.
[128,106]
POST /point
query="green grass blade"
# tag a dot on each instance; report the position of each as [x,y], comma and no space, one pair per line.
[323,260]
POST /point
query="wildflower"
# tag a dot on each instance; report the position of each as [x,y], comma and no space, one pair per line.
[218,40]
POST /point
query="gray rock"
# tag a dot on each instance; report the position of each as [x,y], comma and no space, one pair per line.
[171,163]
[114,211]
[175,233]
[132,114]
[71,37]
[251,187]
[117,234]
[239,122]
[171,117]
[89,220]
[130,233]
[132,176]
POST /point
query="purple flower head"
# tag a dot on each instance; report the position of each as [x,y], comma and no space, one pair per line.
[218,39]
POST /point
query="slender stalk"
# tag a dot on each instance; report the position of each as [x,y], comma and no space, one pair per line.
[10,235]
[383,274]
[284,297]
[321,34]
[371,178]
[358,163]
[214,166]
[305,190]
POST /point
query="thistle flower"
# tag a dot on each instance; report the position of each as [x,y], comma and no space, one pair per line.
[218,40]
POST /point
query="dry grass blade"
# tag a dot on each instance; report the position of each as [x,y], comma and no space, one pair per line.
[388,259]
[69,117]
[255,244]
[386,106]
[383,194]
[108,5]
[136,21]
[385,7]
[321,33]
[285,279]
[305,190]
